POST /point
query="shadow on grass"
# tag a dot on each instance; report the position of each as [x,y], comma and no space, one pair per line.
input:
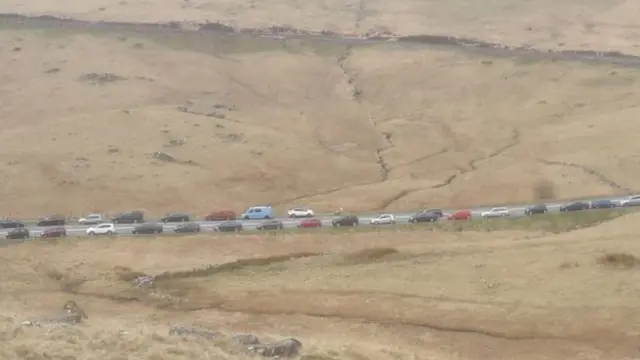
[618,260]
[237,265]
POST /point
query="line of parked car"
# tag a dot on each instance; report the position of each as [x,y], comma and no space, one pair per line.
[100,225]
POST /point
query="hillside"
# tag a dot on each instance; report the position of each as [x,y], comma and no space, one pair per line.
[298,122]
[405,294]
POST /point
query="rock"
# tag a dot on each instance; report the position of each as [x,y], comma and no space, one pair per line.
[73,309]
[245,339]
[144,281]
[63,318]
[100,78]
[185,330]
[281,349]
[176,142]
[161,155]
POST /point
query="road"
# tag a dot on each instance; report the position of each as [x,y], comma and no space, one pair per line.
[250,225]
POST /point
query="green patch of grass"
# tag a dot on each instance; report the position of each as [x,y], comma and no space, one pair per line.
[549,222]
[211,43]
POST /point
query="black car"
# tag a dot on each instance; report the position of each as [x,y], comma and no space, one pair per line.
[227,226]
[437,212]
[424,217]
[58,231]
[149,228]
[270,225]
[10,224]
[346,220]
[536,209]
[575,206]
[51,220]
[175,217]
[130,217]
[189,227]
[602,204]
[18,233]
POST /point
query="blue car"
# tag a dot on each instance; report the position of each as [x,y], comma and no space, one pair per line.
[258,213]
[602,204]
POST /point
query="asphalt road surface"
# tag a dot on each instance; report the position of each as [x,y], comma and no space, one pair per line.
[250,225]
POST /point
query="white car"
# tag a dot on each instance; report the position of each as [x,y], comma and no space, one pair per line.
[91,219]
[102,229]
[300,212]
[496,212]
[631,201]
[383,219]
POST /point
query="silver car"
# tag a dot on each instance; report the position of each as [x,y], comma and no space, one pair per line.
[496,212]
[631,201]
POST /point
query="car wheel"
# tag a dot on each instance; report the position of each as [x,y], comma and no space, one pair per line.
[109,232]
[91,233]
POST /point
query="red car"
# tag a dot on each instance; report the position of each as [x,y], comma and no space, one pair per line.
[310,223]
[460,215]
[57,231]
[220,215]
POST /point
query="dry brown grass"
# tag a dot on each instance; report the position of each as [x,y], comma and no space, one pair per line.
[256,114]
[439,295]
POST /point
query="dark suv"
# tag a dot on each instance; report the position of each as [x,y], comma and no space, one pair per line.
[58,231]
[575,206]
[602,204]
[130,217]
[436,212]
[18,233]
[425,216]
[10,224]
[175,217]
[51,220]
[346,220]
[148,229]
[536,209]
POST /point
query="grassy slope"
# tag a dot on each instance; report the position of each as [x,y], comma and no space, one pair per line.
[490,123]
[445,295]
